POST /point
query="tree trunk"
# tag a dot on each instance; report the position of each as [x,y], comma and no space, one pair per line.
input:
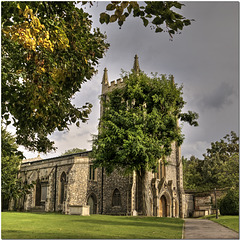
[146,194]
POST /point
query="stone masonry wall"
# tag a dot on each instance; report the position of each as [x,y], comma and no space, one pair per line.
[123,184]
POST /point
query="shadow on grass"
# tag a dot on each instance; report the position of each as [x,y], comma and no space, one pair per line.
[12,234]
[132,221]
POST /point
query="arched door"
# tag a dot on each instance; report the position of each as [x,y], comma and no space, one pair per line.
[92,202]
[163,206]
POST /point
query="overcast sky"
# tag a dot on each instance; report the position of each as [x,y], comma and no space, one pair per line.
[204,58]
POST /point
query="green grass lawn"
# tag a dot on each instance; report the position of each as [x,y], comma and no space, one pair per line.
[231,222]
[52,225]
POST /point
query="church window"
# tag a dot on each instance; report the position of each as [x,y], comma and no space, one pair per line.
[162,169]
[63,180]
[38,193]
[116,200]
[92,173]
[43,193]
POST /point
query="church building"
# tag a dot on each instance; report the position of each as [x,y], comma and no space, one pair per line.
[69,184]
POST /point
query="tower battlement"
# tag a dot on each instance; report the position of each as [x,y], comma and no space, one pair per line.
[118,83]
[108,87]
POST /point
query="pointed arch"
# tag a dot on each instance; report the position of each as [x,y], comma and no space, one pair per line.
[92,202]
[165,205]
[116,198]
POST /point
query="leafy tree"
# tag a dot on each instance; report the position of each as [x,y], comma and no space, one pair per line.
[192,173]
[48,50]
[138,126]
[221,163]
[229,205]
[12,186]
[218,169]
[153,13]
[73,150]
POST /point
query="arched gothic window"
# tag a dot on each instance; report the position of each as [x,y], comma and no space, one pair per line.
[63,180]
[116,199]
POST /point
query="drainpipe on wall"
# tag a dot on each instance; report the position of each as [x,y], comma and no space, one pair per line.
[55,188]
[102,193]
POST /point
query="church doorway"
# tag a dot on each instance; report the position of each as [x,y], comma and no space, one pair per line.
[92,202]
[163,206]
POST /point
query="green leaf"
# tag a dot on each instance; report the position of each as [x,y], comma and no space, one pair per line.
[158,29]
[102,18]
[113,18]
[145,21]
[177,5]
[187,22]
[129,8]
[124,4]
[120,23]
[122,18]
[110,7]
[157,21]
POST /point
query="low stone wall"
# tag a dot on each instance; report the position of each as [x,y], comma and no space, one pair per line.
[200,213]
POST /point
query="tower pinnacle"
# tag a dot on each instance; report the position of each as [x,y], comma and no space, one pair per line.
[105,77]
[136,67]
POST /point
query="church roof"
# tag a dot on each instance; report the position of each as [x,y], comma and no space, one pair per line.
[39,159]
[32,159]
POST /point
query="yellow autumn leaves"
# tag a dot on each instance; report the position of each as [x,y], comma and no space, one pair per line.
[33,35]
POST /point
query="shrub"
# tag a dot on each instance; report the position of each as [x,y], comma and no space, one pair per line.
[229,205]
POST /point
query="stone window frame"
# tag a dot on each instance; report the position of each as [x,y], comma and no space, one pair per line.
[63,181]
[43,195]
[92,173]
[116,198]
[41,198]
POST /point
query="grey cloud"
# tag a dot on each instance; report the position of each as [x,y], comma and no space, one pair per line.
[219,97]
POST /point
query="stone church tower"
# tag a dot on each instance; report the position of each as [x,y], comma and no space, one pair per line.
[165,186]
[69,184]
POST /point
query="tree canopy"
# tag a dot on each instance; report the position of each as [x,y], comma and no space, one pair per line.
[11,186]
[218,169]
[139,123]
[48,50]
[160,15]
[73,150]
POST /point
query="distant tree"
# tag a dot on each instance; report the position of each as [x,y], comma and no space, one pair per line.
[74,150]
[192,173]
[138,126]
[160,15]
[221,163]
[48,50]
[218,169]
[11,185]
